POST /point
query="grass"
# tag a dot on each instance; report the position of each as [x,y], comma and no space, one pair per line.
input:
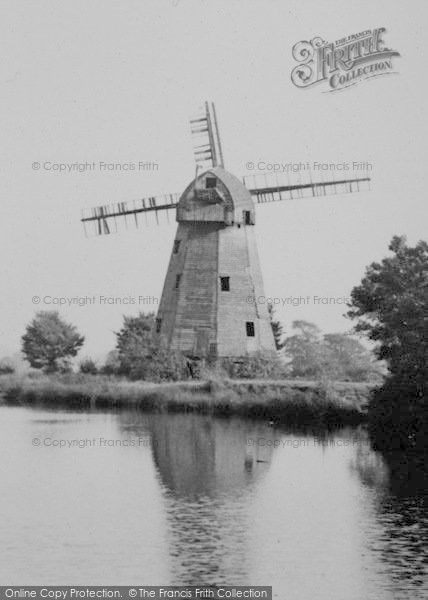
[279,401]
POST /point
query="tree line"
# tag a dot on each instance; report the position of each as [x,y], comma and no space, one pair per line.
[389,307]
[50,343]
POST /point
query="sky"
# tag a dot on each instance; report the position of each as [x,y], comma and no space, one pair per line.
[116,81]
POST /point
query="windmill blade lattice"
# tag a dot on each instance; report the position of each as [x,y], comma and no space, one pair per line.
[206,138]
[120,216]
[272,187]
[264,187]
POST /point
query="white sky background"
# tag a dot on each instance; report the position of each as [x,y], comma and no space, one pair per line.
[116,81]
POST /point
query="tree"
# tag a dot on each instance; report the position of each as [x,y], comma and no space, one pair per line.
[49,342]
[140,358]
[277,328]
[391,308]
[134,341]
[350,359]
[111,365]
[333,356]
[304,351]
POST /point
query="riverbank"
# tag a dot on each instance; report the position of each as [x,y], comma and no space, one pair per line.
[279,401]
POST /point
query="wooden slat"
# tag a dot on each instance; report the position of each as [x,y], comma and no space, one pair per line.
[273,193]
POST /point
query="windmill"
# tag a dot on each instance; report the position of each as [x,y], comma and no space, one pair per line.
[209,306]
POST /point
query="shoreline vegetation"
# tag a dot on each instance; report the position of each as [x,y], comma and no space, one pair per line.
[329,379]
[280,401]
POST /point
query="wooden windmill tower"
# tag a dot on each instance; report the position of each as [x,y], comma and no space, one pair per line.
[209,306]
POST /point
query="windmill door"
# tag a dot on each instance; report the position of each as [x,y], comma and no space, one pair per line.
[202,342]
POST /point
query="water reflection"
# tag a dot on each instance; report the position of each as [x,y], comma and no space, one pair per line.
[397,540]
[315,514]
[220,518]
[208,469]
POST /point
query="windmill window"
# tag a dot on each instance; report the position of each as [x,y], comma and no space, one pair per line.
[225,284]
[176,246]
[177,281]
[158,325]
[210,182]
[250,328]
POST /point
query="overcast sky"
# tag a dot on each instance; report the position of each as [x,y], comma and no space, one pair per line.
[116,81]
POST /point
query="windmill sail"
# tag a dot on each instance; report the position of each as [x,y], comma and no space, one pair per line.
[272,187]
[206,138]
[121,216]
[112,218]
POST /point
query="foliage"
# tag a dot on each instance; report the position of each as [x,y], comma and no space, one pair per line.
[398,416]
[277,328]
[134,342]
[112,364]
[260,365]
[334,356]
[350,359]
[160,365]
[391,308]
[304,351]
[88,366]
[140,358]
[284,403]
[6,368]
[49,342]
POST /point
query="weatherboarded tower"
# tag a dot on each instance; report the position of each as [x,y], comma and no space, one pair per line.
[210,301]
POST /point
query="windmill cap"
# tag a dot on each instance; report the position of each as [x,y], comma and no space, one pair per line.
[215,195]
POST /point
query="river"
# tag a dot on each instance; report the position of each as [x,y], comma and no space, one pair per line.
[105,498]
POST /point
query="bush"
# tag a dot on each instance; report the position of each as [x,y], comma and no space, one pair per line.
[160,365]
[261,365]
[88,366]
[63,366]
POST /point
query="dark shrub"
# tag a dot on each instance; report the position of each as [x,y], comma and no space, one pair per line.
[88,366]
